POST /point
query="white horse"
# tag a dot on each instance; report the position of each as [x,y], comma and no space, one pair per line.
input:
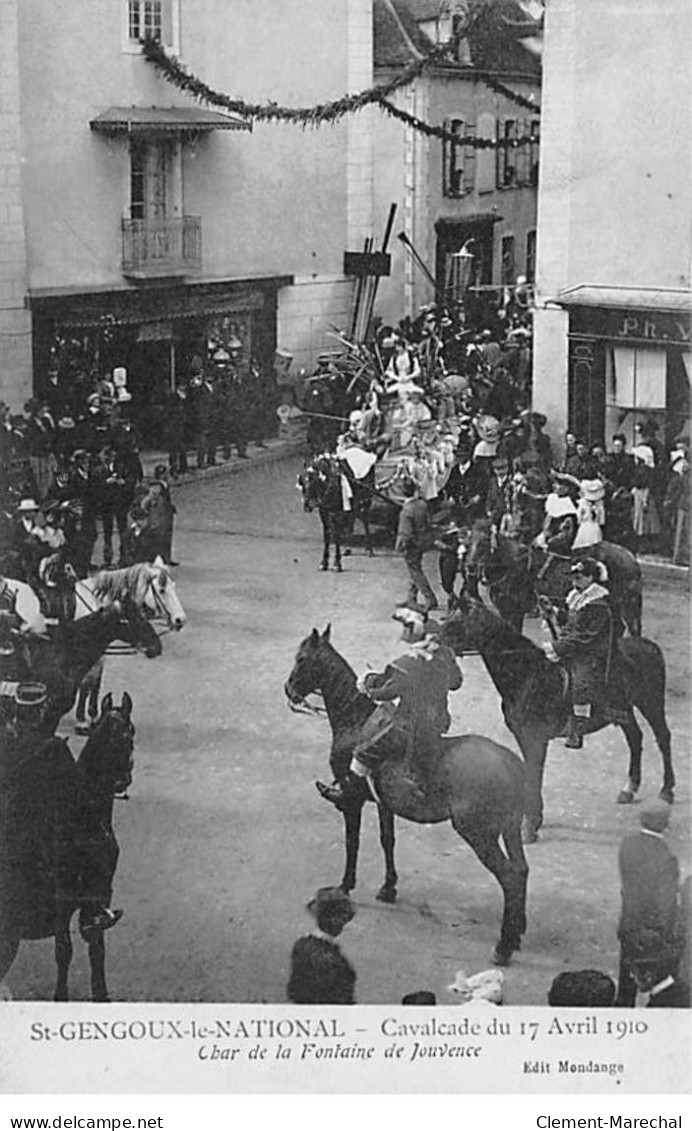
[26,606]
[150,586]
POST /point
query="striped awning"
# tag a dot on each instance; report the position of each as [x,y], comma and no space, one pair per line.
[159,119]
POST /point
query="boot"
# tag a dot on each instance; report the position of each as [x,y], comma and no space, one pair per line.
[93,922]
[575,738]
[342,794]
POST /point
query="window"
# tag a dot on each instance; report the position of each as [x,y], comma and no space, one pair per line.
[533,152]
[158,19]
[458,161]
[507,154]
[507,265]
[530,270]
[453,160]
[151,180]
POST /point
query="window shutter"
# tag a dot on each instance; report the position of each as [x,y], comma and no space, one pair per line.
[523,153]
[500,155]
[447,150]
[167,22]
[485,158]
[469,161]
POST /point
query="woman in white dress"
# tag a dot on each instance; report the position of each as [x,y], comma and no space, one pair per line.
[590,513]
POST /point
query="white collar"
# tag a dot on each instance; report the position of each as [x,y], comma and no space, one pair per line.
[650,832]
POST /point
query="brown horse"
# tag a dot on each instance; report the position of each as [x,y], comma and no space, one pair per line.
[60,851]
[534,702]
[476,784]
[517,574]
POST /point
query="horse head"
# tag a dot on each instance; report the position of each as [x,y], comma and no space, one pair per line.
[134,628]
[314,482]
[464,629]
[107,759]
[306,673]
[162,597]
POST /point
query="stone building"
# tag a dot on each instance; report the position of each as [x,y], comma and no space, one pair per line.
[137,227]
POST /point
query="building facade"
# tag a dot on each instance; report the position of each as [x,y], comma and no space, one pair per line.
[138,228]
[451,197]
[612,324]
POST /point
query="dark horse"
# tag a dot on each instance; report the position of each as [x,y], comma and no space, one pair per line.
[63,661]
[60,851]
[534,703]
[476,784]
[322,488]
[516,574]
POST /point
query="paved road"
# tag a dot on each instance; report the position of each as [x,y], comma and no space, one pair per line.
[224,837]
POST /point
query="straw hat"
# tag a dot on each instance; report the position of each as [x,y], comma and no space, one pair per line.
[593,490]
[27,506]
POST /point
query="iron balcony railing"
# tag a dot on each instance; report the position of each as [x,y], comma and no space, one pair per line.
[154,248]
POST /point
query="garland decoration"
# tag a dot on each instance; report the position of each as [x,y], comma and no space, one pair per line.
[470,140]
[330,112]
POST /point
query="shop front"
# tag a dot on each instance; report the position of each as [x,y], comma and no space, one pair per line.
[628,362]
[153,333]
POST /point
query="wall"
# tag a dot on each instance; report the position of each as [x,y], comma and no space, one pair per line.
[15,321]
[409,171]
[614,203]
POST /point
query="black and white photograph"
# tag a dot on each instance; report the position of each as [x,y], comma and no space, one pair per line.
[344,541]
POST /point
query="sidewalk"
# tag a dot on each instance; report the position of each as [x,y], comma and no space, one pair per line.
[275,449]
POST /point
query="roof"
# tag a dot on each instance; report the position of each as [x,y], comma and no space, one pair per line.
[495,45]
[170,119]
[397,39]
[627,298]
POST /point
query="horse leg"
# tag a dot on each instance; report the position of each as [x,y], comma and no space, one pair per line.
[366,529]
[95,691]
[656,718]
[337,532]
[9,945]
[387,893]
[352,820]
[485,843]
[633,737]
[324,517]
[82,696]
[97,962]
[511,835]
[534,752]
[63,956]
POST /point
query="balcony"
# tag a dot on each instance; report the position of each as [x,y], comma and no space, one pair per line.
[156,249]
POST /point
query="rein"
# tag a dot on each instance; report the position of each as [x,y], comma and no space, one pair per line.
[304,707]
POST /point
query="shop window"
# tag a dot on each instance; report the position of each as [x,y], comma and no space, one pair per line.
[507,263]
[155,19]
[458,161]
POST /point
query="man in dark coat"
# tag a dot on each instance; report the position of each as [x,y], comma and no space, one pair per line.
[320,974]
[498,501]
[414,537]
[419,681]
[585,645]
[649,929]
[177,430]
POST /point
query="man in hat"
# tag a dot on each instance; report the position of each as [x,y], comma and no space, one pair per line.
[585,646]
[320,974]
[413,538]
[649,930]
[419,681]
[498,502]
[27,544]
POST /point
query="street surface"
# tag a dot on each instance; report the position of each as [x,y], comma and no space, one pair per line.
[224,837]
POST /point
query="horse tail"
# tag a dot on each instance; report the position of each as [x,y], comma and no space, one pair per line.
[644,669]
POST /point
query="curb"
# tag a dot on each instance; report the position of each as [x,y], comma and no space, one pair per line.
[654,570]
[283,449]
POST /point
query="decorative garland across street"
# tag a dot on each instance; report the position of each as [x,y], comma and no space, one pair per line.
[330,112]
[470,140]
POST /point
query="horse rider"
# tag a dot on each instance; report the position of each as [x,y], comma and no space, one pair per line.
[586,645]
[420,679]
[27,747]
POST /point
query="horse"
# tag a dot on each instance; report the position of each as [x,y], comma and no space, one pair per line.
[322,489]
[476,784]
[62,661]
[535,704]
[152,589]
[516,574]
[61,851]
